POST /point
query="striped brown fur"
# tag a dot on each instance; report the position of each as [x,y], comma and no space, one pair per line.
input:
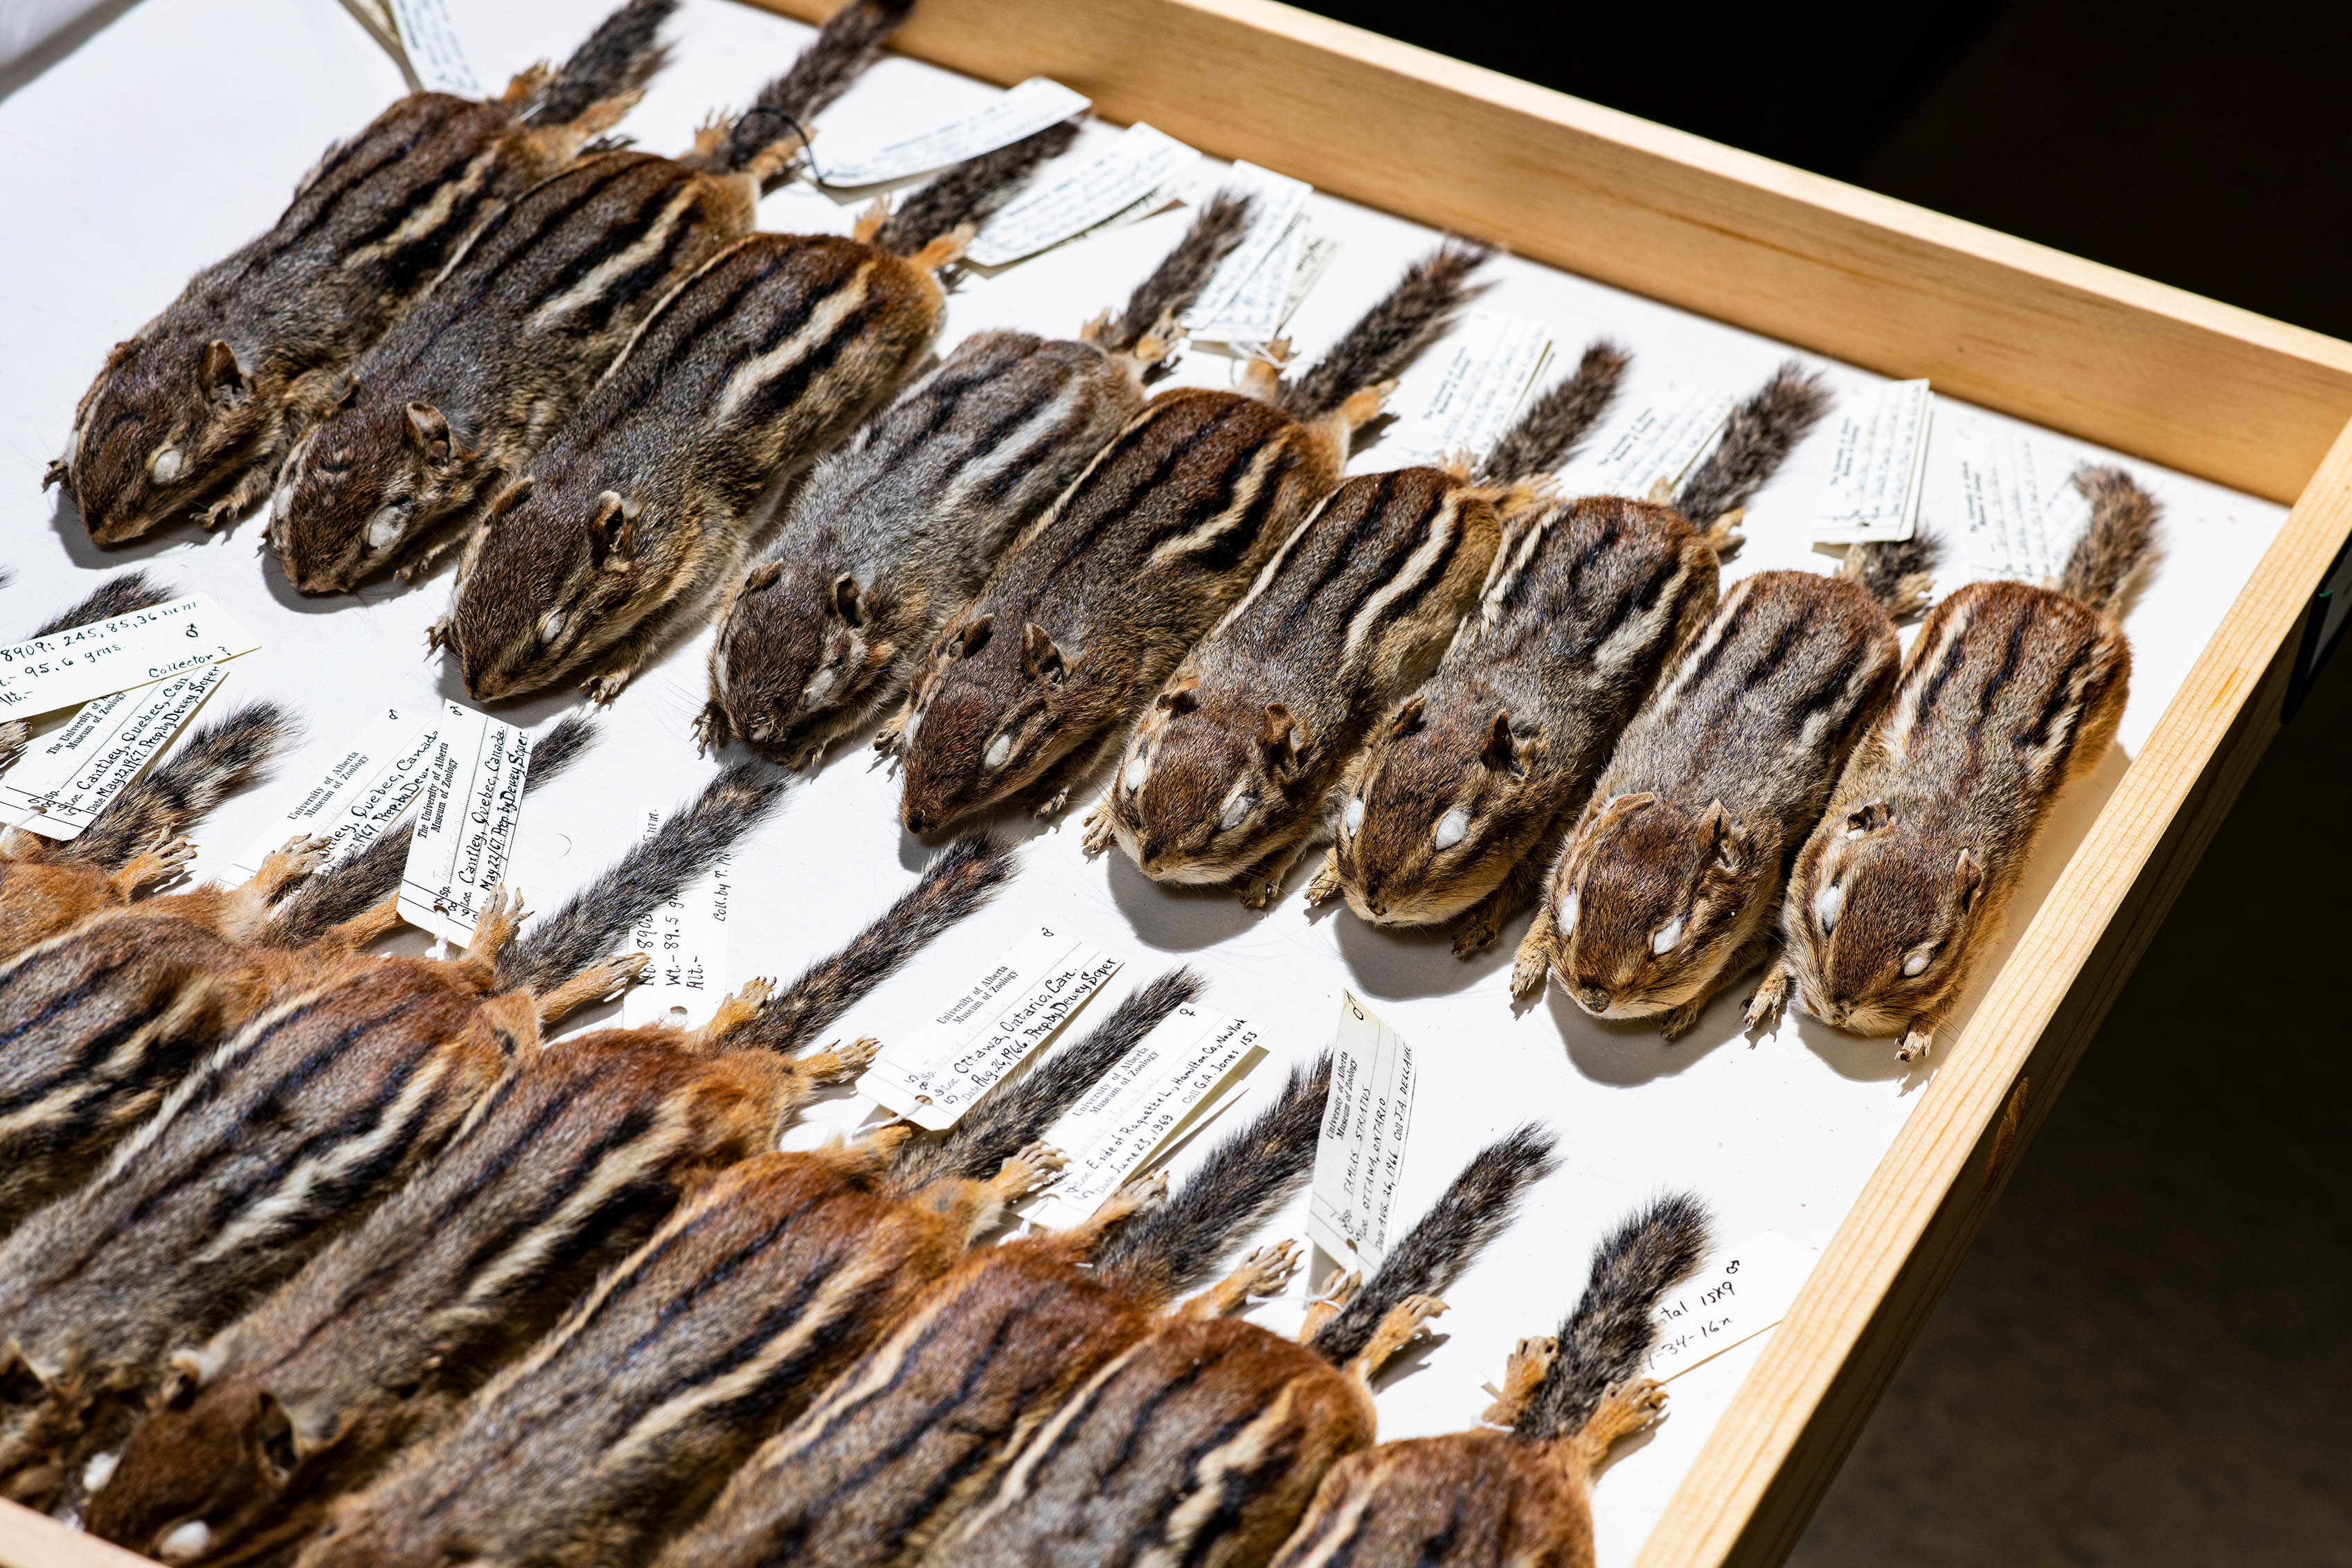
[192,417]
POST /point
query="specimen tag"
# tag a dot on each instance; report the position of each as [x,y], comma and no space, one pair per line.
[1168,1083]
[2022,513]
[474,776]
[686,938]
[989,1029]
[1651,448]
[69,775]
[360,791]
[430,38]
[1248,296]
[1872,492]
[1023,111]
[1361,1150]
[43,674]
[1735,1294]
[1131,169]
[1463,405]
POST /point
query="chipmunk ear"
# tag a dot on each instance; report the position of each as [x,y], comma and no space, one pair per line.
[970,637]
[190,1370]
[1407,719]
[1867,818]
[1278,739]
[218,373]
[1182,696]
[273,1435]
[1610,812]
[507,499]
[428,432]
[1040,657]
[1725,845]
[1968,882]
[763,575]
[1502,753]
[844,601]
[612,541]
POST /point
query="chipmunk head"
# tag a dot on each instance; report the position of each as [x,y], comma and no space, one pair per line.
[200,1470]
[1879,917]
[801,659]
[360,489]
[1204,780]
[552,580]
[160,433]
[1435,816]
[995,711]
[1649,898]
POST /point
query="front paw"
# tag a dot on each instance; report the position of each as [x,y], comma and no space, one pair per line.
[1679,1021]
[1051,806]
[1098,835]
[438,636]
[1771,997]
[602,687]
[1475,933]
[1325,885]
[1530,970]
[1916,1040]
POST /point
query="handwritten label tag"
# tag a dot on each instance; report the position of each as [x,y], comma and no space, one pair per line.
[1170,1081]
[2021,513]
[72,774]
[1247,298]
[1137,167]
[430,38]
[43,674]
[989,1029]
[1021,111]
[1361,1150]
[465,822]
[1871,494]
[1651,447]
[1734,1295]
[685,938]
[362,789]
[1463,405]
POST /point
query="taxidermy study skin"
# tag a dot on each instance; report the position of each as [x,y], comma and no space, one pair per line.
[565,1169]
[611,1433]
[1668,887]
[2012,692]
[633,515]
[1228,776]
[1091,608]
[880,1468]
[192,417]
[1455,809]
[1204,1443]
[311,1115]
[449,405]
[1521,1496]
[897,530]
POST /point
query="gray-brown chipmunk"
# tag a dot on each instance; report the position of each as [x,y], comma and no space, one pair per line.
[193,416]
[1521,1496]
[562,1171]
[1227,776]
[886,1461]
[297,1126]
[611,1432]
[1088,611]
[1204,1442]
[2011,692]
[896,530]
[1455,808]
[449,404]
[628,521]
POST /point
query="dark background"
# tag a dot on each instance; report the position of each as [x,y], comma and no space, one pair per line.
[2147,1357]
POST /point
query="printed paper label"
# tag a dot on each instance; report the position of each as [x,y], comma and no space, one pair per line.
[989,1029]
[1134,167]
[686,938]
[465,822]
[430,38]
[1734,1295]
[1463,405]
[1167,1084]
[2020,511]
[1361,1151]
[67,776]
[1023,111]
[362,789]
[1872,492]
[43,674]
[1649,450]
[1246,299]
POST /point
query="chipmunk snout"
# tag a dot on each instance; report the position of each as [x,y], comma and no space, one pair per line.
[916,819]
[1592,996]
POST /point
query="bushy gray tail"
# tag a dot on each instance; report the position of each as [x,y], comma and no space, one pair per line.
[348,890]
[194,778]
[971,191]
[1412,316]
[1251,1174]
[1898,573]
[1161,298]
[622,53]
[850,40]
[1763,430]
[1607,1336]
[1017,1114]
[1546,433]
[1443,1242]
[592,923]
[2115,552]
[117,595]
[961,879]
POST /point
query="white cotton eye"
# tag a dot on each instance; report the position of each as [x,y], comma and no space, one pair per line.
[281,499]
[1353,818]
[1668,935]
[550,626]
[1917,964]
[1453,828]
[384,528]
[1567,914]
[907,735]
[1137,769]
[185,1542]
[1826,907]
[820,684]
[998,750]
[1237,810]
[165,466]
[99,1472]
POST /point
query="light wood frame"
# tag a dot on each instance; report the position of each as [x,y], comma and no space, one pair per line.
[2145,369]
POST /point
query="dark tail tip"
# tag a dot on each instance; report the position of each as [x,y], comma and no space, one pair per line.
[1607,1336]
[1760,434]
[1160,299]
[623,52]
[971,190]
[118,595]
[1545,434]
[2110,560]
[1388,335]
